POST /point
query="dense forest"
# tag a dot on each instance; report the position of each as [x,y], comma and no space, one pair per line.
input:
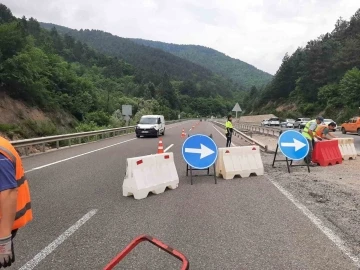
[58,72]
[151,63]
[323,77]
[237,70]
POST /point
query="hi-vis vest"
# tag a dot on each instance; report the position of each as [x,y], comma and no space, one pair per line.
[319,130]
[23,206]
[228,125]
[305,132]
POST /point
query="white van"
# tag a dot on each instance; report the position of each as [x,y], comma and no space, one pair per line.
[150,125]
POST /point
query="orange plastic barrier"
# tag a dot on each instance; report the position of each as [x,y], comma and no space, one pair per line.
[327,153]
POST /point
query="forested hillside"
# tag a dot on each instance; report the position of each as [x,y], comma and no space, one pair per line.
[150,61]
[239,71]
[323,77]
[59,73]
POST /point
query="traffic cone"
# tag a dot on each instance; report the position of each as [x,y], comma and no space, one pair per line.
[183,135]
[160,147]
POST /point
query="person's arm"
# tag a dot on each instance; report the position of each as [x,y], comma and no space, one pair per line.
[327,137]
[8,196]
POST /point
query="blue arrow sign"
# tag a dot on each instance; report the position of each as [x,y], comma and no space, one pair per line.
[199,151]
[293,145]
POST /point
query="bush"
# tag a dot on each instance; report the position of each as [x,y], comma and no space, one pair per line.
[100,118]
[40,128]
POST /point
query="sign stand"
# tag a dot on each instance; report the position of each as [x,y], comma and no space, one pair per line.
[286,158]
[191,168]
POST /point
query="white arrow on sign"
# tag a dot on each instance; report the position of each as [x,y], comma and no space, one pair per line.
[203,151]
[297,144]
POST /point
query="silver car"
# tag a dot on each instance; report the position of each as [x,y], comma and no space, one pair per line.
[301,122]
[288,123]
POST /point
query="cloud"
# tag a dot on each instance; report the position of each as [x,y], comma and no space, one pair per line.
[258,32]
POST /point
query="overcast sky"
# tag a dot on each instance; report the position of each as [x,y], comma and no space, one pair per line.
[258,32]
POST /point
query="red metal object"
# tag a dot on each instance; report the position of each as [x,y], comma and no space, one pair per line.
[327,153]
[158,243]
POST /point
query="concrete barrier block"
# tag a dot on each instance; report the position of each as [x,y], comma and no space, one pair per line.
[242,161]
[153,173]
[347,148]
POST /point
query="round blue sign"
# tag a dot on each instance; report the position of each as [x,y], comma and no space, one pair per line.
[199,151]
[293,145]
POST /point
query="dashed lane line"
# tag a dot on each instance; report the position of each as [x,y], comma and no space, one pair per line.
[57,242]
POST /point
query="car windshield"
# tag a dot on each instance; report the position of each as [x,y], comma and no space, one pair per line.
[328,120]
[290,120]
[148,120]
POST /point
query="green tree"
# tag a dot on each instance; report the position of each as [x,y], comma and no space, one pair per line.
[350,87]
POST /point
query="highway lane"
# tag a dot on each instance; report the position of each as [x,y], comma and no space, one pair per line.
[236,224]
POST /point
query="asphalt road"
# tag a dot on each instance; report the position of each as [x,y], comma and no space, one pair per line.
[236,224]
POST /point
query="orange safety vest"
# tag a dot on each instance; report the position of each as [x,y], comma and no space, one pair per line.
[23,206]
[319,130]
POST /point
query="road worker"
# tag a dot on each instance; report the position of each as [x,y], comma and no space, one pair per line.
[323,131]
[15,204]
[229,130]
[309,134]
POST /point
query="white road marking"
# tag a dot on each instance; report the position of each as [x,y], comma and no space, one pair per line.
[80,155]
[222,135]
[93,151]
[167,149]
[57,242]
[314,219]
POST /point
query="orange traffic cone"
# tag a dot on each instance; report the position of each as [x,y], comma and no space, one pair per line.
[183,135]
[160,147]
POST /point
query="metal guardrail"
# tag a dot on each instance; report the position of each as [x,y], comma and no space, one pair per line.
[57,141]
[261,129]
[262,146]
[255,127]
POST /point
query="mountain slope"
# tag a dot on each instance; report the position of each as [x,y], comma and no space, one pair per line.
[59,75]
[150,60]
[237,70]
[322,77]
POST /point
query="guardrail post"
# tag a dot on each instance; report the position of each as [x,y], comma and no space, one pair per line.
[26,151]
[69,142]
[79,140]
[57,145]
[273,132]
[43,147]
[266,148]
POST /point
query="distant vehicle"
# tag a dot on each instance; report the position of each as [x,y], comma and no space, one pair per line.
[288,123]
[352,126]
[274,122]
[301,122]
[328,121]
[150,125]
[264,123]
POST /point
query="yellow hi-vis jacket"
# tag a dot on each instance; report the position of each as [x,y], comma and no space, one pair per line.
[305,132]
[228,127]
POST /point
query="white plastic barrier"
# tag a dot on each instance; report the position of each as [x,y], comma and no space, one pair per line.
[347,148]
[242,161]
[153,173]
